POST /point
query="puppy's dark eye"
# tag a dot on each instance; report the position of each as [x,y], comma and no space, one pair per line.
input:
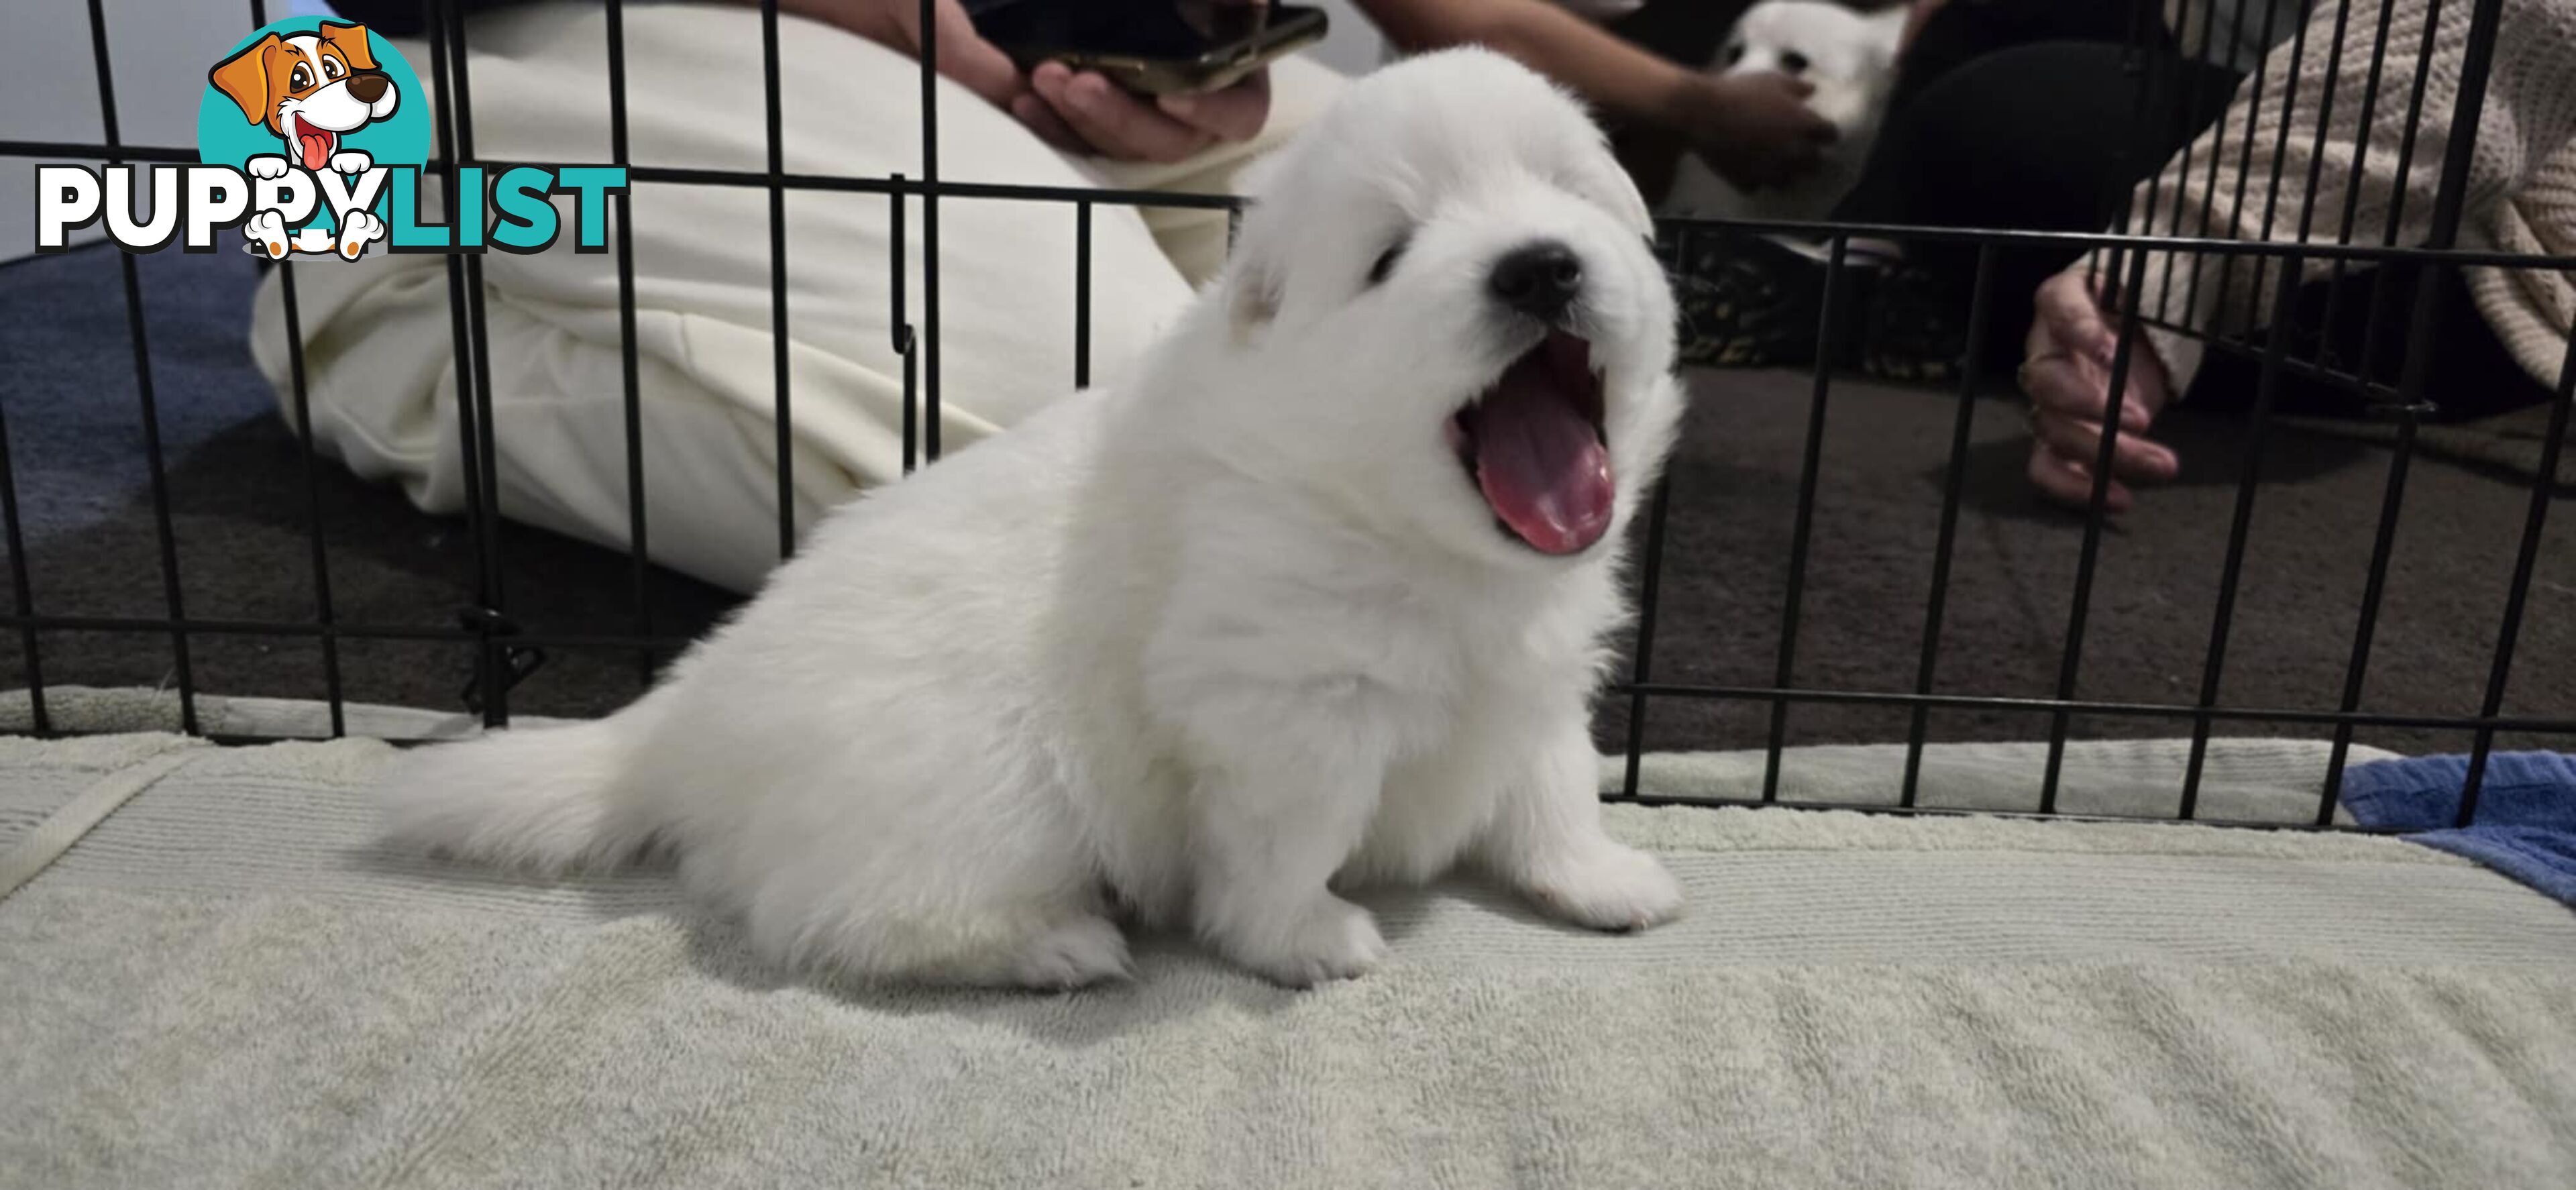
[301,78]
[331,68]
[1386,262]
[1793,62]
[1735,53]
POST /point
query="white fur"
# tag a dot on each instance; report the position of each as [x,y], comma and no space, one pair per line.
[1851,60]
[331,107]
[1198,651]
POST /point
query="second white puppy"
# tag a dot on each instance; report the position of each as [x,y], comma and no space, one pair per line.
[1850,59]
[1315,599]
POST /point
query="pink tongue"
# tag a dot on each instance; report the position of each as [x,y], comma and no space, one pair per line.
[1542,467]
[316,147]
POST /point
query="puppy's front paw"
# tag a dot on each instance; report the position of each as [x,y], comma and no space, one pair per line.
[357,230]
[351,161]
[266,166]
[1605,887]
[1333,940]
[267,229]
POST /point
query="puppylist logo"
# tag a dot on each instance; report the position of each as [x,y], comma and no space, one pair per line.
[313,135]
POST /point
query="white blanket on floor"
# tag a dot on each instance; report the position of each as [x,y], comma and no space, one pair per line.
[224,983]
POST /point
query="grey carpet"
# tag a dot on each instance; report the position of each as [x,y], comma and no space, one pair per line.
[238,494]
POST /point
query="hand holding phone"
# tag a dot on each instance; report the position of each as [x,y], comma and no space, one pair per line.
[1150,47]
[1143,80]
[1078,111]
[1083,112]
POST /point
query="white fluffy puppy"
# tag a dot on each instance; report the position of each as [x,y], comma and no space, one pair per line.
[1851,60]
[1314,599]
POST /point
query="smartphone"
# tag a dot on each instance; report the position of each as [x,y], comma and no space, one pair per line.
[1151,47]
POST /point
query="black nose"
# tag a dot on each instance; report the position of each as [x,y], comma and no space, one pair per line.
[1539,279]
[368,86]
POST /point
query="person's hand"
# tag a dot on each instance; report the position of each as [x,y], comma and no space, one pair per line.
[2066,372]
[1082,111]
[1755,128]
[1078,112]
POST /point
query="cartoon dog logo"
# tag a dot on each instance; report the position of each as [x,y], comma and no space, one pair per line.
[310,89]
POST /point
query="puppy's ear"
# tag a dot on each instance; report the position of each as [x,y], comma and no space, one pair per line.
[243,78]
[351,41]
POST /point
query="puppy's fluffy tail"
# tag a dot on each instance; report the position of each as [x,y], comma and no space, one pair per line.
[536,800]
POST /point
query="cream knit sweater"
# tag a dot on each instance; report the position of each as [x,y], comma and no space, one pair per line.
[2521,185]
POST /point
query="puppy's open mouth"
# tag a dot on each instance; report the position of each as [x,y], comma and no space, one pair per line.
[313,145]
[1534,445]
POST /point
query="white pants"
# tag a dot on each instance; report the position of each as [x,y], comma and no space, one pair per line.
[379,342]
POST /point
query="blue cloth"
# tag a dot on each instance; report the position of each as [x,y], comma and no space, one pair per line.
[2526,823]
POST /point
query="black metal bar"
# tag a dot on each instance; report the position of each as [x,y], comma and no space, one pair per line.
[305,630]
[1003,192]
[2449,205]
[2142,18]
[1827,344]
[1641,666]
[163,533]
[2281,310]
[638,551]
[312,470]
[930,349]
[322,609]
[1082,295]
[784,422]
[2360,161]
[2372,335]
[2217,153]
[2231,571]
[1895,811]
[474,459]
[494,694]
[2245,154]
[21,588]
[1945,543]
[2535,518]
[2383,544]
[2289,104]
[2070,659]
[2384,395]
[155,154]
[2095,707]
[2267,384]
[905,344]
[2182,97]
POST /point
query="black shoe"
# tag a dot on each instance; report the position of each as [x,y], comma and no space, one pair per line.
[1753,301]
[1746,301]
[1914,329]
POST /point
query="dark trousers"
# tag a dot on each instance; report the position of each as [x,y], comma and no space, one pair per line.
[2043,115]
[2031,116]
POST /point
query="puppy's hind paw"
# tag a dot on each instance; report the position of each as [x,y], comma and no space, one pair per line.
[1077,953]
[1605,887]
[1334,940]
